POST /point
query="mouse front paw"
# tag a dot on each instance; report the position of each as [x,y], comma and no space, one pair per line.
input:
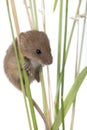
[27,65]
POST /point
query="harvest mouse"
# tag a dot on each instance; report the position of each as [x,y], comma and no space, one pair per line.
[35,48]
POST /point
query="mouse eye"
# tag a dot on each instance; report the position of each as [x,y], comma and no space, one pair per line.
[38,51]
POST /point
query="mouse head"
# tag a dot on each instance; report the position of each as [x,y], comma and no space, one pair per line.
[35,45]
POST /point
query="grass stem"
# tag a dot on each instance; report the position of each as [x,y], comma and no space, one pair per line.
[55,5]
[19,69]
[28,15]
[76,74]
[82,39]
[63,63]
[72,31]
[59,59]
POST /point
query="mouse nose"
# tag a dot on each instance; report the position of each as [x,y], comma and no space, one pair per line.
[50,60]
[47,60]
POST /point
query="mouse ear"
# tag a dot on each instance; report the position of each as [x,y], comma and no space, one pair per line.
[22,38]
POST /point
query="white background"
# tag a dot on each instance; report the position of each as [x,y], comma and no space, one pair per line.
[12,109]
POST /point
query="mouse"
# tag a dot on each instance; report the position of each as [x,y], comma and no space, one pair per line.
[35,48]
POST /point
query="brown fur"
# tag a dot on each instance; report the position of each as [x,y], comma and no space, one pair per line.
[29,42]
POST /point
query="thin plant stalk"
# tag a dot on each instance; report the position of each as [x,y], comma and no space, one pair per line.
[48,75]
[73,115]
[43,93]
[55,5]
[49,98]
[72,30]
[45,105]
[34,14]
[63,62]
[82,39]
[58,60]
[76,74]
[19,69]
[43,15]
[81,48]
[27,86]
[28,15]
[78,63]
[44,97]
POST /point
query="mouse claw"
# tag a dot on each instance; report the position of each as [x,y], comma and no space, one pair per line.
[27,67]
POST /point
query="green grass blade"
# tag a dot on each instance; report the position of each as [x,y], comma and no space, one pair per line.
[59,58]
[63,63]
[76,74]
[55,5]
[70,98]
[30,100]
[19,69]
[35,14]
[43,93]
